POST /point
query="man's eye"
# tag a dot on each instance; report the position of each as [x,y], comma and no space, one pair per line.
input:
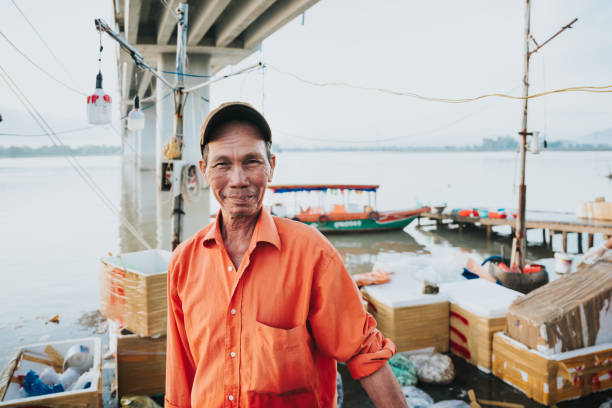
[221,164]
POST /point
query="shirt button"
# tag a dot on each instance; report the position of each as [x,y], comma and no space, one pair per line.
[231,398]
[233,311]
[233,354]
[229,268]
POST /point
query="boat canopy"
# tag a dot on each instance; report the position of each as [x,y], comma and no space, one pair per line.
[290,188]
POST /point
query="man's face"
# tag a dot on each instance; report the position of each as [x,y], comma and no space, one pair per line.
[237,169]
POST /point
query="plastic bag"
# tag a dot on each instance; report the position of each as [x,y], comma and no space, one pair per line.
[404,370]
[416,397]
[451,404]
[376,277]
[339,390]
[34,387]
[138,401]
[433,368]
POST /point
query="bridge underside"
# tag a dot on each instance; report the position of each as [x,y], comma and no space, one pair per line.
[226,31]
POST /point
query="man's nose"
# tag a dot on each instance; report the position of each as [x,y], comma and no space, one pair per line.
[237,177]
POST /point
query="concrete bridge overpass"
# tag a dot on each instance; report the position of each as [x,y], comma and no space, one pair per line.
[220,33]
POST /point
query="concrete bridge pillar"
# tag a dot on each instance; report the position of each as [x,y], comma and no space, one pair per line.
[197,213]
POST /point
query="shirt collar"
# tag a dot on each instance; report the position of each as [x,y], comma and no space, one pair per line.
[265,231]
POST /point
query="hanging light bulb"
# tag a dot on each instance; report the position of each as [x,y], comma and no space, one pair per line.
[534,147]
[136,118]
[99,105]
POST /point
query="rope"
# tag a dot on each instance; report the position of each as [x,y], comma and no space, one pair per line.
[593,89]
[76,165]
[40,68]
[40,37]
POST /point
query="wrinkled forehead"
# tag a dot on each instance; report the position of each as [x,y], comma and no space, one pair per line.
[236,139]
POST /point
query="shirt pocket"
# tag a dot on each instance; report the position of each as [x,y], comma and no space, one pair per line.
[281,360]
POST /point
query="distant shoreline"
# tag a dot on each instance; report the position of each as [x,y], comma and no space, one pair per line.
[53,151]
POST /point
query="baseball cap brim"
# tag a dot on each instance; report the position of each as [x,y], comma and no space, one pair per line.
[231,111]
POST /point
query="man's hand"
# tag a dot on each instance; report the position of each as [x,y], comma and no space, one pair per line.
[383,389]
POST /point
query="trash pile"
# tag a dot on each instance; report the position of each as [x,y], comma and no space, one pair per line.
[67,372]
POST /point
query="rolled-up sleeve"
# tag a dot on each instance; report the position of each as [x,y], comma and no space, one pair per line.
[180,367]
[341,327]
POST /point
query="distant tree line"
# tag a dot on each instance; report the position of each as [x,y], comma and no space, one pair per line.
[502,143]
[26,151]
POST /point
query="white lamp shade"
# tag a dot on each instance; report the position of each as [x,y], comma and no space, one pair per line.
[136,120]
[99,108]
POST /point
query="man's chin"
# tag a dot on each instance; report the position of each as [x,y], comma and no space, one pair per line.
[242,211]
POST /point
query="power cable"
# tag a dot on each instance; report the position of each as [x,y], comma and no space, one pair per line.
[40,37]
[40,68]
[593,89]
[55,139]
[395,138]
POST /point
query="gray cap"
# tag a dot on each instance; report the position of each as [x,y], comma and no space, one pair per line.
[230,111]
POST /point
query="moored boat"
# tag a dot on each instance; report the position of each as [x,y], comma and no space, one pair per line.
[345,213]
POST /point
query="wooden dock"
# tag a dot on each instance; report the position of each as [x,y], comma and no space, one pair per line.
[553,222]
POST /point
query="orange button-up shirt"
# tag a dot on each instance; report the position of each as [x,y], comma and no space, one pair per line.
[269,333]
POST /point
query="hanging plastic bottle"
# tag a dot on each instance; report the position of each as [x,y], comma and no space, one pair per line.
[136,118]
[99,105]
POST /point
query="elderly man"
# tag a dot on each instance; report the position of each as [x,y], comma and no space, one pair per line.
[260,308]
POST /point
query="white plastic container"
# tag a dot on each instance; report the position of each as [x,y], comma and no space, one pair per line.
[563,262]
[99,105]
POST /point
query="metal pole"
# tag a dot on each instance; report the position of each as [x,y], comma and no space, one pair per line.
[518,243]
[179,104]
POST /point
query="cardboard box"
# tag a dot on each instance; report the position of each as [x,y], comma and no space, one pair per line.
[569,313]
[409,318]
[140,363]
[551,379]
[133,290]
[37,357]
[477,311]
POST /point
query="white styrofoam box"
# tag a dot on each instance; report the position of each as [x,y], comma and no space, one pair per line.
[403,291]
[149,262]
[13,394]
[479,296]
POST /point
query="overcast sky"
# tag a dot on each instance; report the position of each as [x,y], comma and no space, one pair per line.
[444,49]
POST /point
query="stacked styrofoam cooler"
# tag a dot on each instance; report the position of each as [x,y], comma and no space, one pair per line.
[411,319]
[477,311]
[133,295]
[86,391]
[558,340]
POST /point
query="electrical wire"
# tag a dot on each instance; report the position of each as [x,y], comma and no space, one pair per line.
[40,37]
[72,160]
[396,138]
[248,69]
[593,89]
[165,4]
[188,75]
[40,68]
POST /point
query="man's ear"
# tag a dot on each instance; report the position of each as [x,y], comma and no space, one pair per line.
[272,167]
[203,170]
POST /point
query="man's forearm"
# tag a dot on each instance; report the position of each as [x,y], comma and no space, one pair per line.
[383,389]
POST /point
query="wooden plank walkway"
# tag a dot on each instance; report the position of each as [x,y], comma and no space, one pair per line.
[554,222]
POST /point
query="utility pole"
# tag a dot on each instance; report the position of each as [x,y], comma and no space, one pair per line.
[519,242]
[179,103]
[180,96]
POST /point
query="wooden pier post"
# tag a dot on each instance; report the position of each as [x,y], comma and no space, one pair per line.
[489,229]
[564,238]
[580,243]
[551,238]
[544,236]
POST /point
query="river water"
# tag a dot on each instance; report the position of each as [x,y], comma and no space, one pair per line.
[54,229]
